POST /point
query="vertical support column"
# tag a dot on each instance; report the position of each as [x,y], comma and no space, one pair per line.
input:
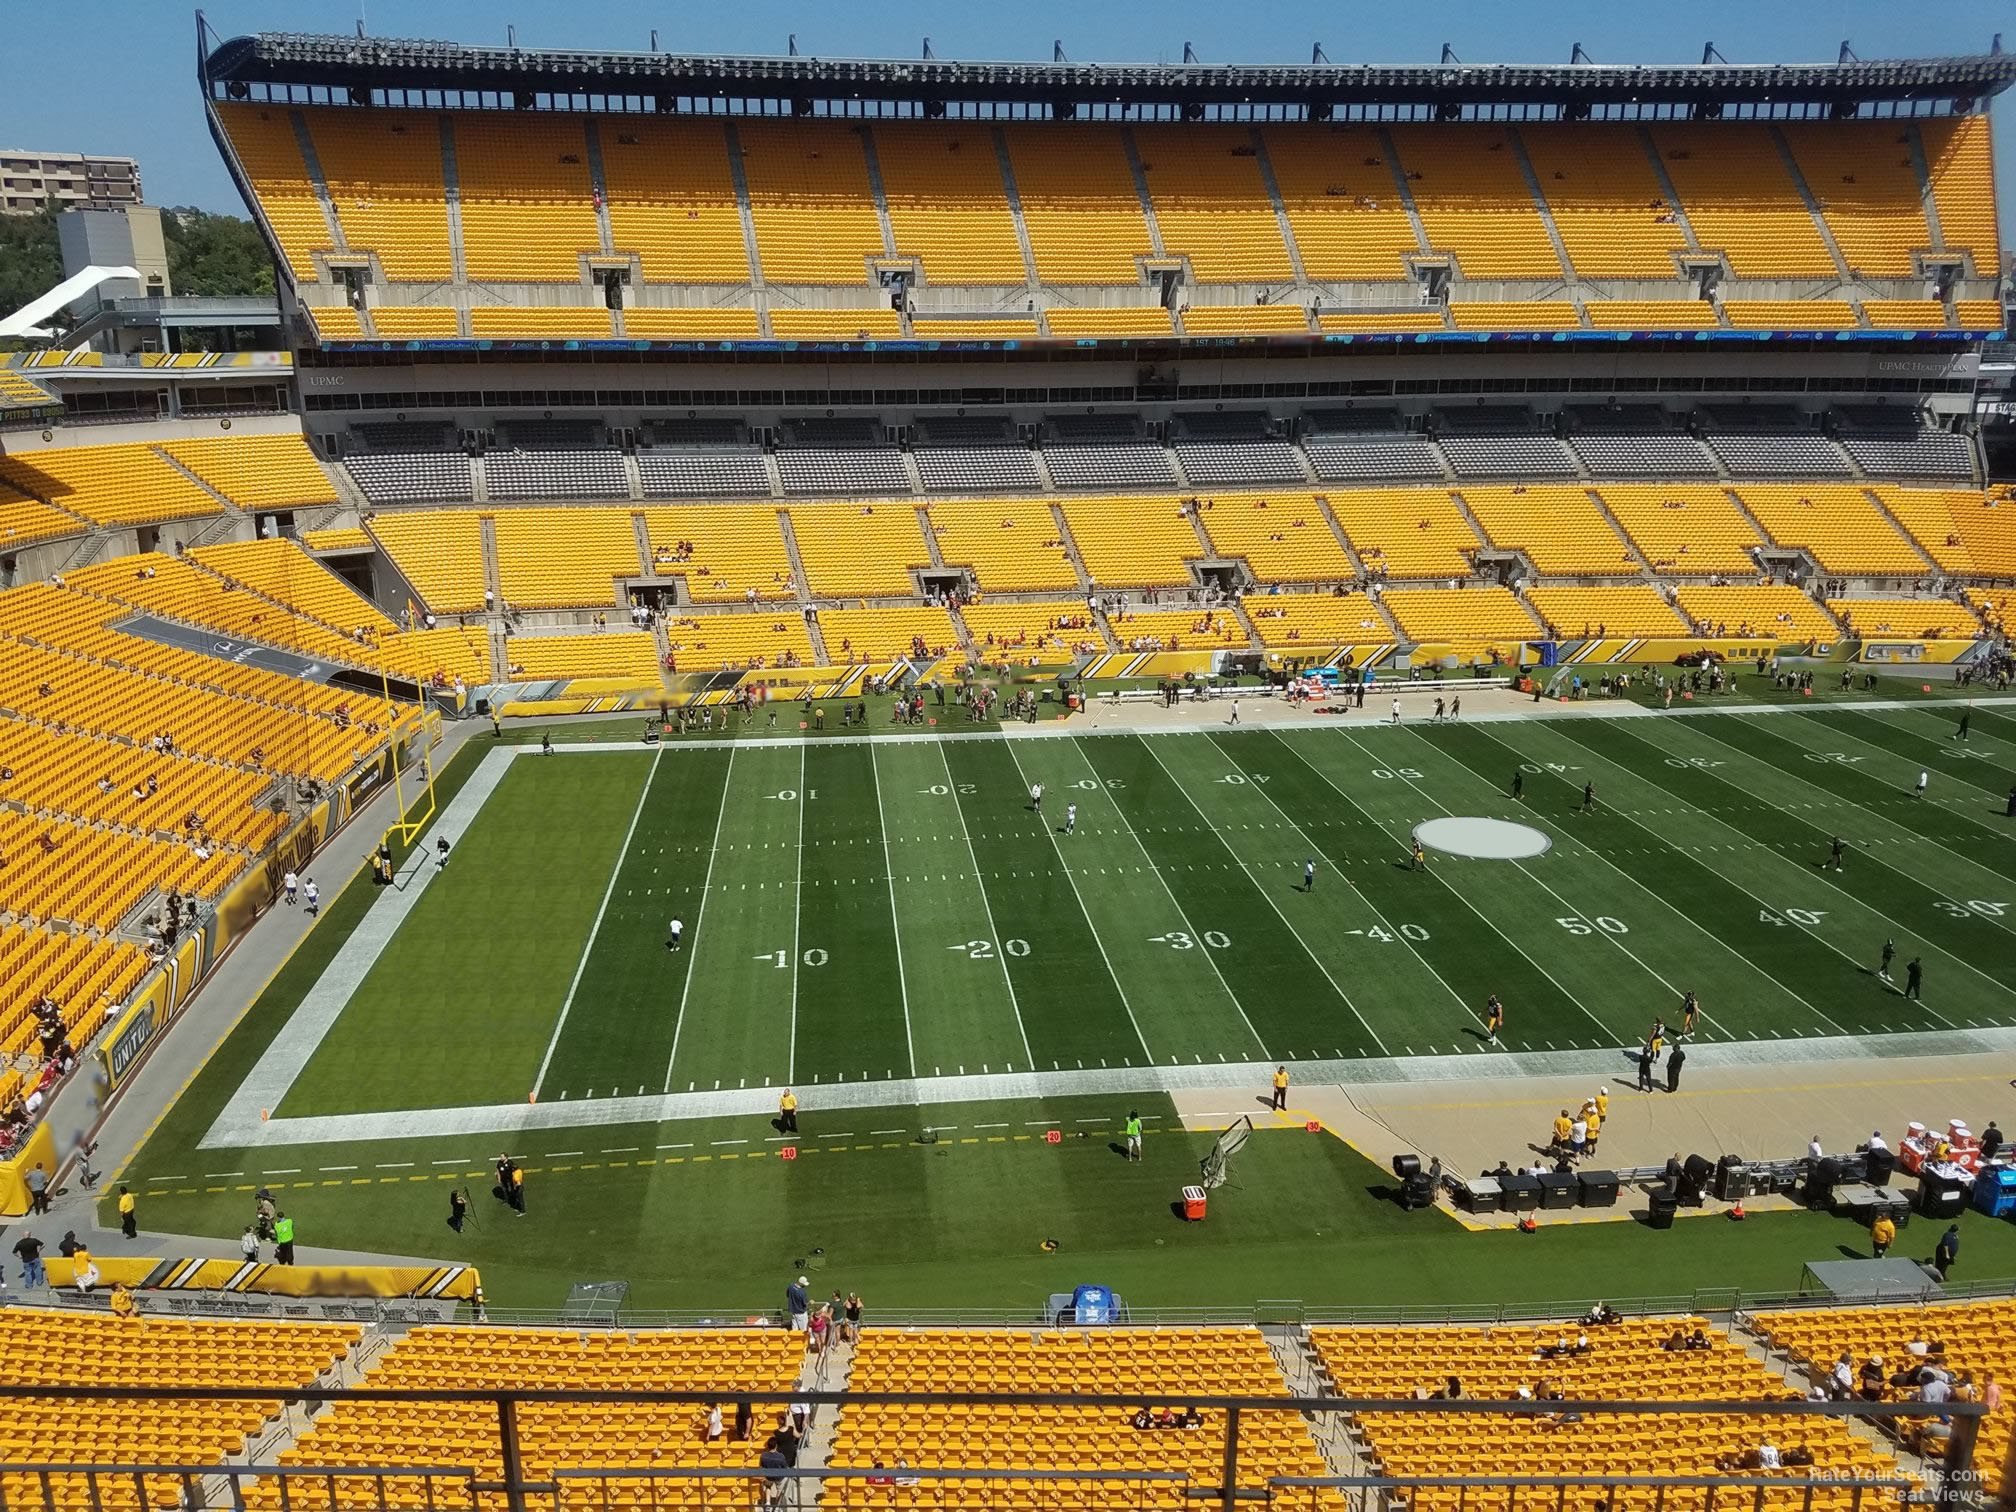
[1228,1489]
[507,1443]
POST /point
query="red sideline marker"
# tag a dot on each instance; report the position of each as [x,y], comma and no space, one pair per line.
[1314,1126]
[1053,1136]
[788,1152]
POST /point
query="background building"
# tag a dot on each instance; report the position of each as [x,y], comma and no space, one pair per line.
[33,181]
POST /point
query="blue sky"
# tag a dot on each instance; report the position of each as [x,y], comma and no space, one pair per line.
[118,76]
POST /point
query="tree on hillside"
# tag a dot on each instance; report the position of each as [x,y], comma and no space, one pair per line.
[215,254]
[30,263]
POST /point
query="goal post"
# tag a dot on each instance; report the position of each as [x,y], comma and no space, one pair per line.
[1223,1149]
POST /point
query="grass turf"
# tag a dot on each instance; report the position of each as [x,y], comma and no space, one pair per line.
[1169,925]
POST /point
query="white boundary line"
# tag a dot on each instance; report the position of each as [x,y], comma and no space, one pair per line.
[595,930]
[699,918]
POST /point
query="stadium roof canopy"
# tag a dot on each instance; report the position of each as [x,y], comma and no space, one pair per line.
[360,68]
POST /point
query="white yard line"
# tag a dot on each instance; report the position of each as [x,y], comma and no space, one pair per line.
[1092,929]
[699,918]
[588,949]
[994,933]
[1307,948]
[797,917]
[895,917]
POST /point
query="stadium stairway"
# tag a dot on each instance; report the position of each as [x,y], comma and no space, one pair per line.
[1876,498]
[1798,177]
[1637,554]
[1071,548]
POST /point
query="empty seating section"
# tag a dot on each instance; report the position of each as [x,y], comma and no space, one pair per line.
[620,653]
[1474,202]
[1683,529]
[20,392]
[1382,320]
[383,171]
[690,323]
[1835,522]
[947,206]
[926,329]
[1862,177]
[1079,204]
[1606,199]
[1650,314]
[1283,538]
[262,137]
[1534,315]
[340,538]
[564,558]
[858,635]
[668,473]
[968,469]
[552,1435]
[861,323]
[439,553]
[724,551]
[1977,1339]
[1578,613]
[1211,203]
[1406,532]
[1762,455]
[1011,545]
[61,1350]
[24,520]
[775,638]
[1963,530]
[1507,456]
[180,590]
[93,878]
[556,474]
[1963,187]
[1110,320]
[1868,618]
[1060,628]
[1244,320]
[1557,526]
[416,322]
[1790,314]
[255,471]
[1133,542]
[1207,463]
[1980,314]
[1740,200]
[1336,458]
[1774,610]
[411,477]
[857,551]
[1624,1363]
[438,655]
[1911,453]
[820,470]
[1138,464]
[1663,454]
[540,323]
[1289,621]
[86,978]
[1460,616]
[108,485]
[284,573]
[1905,314]
[810,201]
[1177,630]
[528,208]
[671,197]
[1346,213]
[1176,1361]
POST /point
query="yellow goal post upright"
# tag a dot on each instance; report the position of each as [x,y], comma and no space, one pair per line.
[411,819]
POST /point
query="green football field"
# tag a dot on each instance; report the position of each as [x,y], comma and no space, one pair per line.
[896,912]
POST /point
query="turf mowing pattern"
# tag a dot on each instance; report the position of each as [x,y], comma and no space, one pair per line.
[881,910]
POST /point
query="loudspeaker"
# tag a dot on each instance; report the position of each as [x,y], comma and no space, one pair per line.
[1879,1166]
[1417,1191]
[1732,1178]
[1405,1166]
[1821,1179]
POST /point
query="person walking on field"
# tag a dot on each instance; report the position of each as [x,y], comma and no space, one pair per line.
[1924,781]
[1235,713]
[674,931]
[1396,711]
[1036,797]
[1645,1067]
[1133,1135]
[458,1209]
[1966,717]
[1588,797]
[283,1239]
[1280,1089]
[1889,955]
[787,1112]
[1690,1012]
[1673,1064]
[1946,1251]
[1070,818]
[1309,875]
[1518,787]
[1914,979]
[1494,1019]
[1837,851]
[1882,1234]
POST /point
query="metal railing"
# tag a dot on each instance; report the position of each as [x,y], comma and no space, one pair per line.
[1567,1493]
[370,1485]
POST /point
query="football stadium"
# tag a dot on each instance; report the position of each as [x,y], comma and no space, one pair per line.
[910,784]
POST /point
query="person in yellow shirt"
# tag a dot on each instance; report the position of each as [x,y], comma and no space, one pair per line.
[129,1222]
[1602,1102]
[1595,1123]
[787,1112]
[1882,1234]
[1564,1126]
[1280,1089]
[122,1301]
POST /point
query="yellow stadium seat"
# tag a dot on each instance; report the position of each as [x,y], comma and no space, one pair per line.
[947,206]
[1555,524]
[1769,610]
[385,181]
[1311,621]
[528,208]
[1079,203]
[1133,542]
[1684,528]
[1343,207]
[1406,532]
[1606,199]
[860,550]
[262,136]
[1474,202]
[1211,203]
[1010,545]
[567,558]
[1835,522]
[810,200]
[1579,613]
[671,200]
[1963,187]
[1740,200]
